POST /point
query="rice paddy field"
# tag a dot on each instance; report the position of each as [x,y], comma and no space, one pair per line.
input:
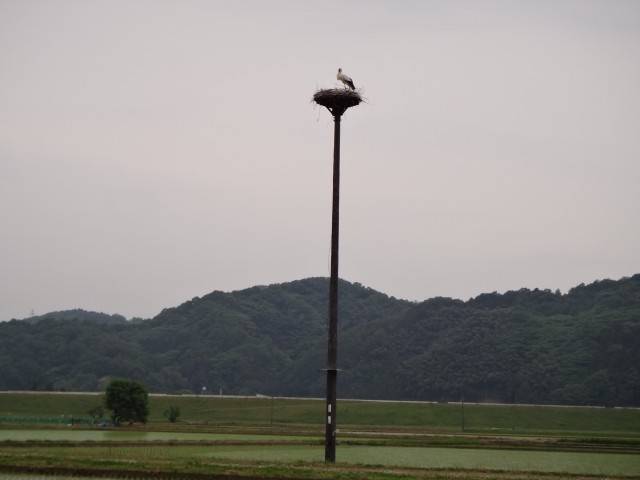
[250,437]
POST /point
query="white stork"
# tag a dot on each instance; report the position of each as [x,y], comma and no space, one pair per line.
[345,79]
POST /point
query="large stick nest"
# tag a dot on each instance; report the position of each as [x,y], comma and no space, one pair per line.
[337,100]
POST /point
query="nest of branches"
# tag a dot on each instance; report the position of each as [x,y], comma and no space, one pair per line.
[337,100]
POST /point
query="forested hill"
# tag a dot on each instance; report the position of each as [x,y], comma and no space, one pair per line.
[526,346]
[79,314]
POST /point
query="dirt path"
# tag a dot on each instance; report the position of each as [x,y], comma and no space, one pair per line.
[322,472]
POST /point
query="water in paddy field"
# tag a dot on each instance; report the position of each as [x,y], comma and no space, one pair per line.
[19,476]
[121,436]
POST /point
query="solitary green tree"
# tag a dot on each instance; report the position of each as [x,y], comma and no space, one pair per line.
[127,400]
[172,413]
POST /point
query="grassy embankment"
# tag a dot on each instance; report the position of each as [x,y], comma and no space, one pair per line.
[359,415]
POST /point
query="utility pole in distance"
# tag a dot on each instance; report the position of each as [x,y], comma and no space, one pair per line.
[337,101]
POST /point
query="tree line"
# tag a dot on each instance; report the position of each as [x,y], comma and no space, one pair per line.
[524,346]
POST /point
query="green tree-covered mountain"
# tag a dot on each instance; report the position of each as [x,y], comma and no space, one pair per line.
[527,346]
[79,314]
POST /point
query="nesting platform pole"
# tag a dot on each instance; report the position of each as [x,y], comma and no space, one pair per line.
[337,101]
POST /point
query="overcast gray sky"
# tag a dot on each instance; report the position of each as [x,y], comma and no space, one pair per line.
[153,150]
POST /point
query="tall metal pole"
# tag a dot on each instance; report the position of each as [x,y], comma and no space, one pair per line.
[337,101]
[332,350]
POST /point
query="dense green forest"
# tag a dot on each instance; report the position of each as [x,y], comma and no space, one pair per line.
[525,346]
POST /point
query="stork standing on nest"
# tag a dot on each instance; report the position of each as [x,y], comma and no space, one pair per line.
[345,79]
